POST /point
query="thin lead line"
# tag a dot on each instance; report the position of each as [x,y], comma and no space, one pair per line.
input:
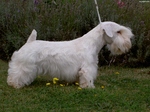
[97,11]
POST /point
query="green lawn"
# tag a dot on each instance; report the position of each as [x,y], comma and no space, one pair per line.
[117,90]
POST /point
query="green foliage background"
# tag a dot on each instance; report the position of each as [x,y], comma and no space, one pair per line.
[70,19]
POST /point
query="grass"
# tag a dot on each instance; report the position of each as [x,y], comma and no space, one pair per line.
[117,90]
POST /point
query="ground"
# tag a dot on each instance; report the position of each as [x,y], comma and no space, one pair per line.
[117,90]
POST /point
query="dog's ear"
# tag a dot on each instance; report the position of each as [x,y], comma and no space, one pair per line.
[108,30]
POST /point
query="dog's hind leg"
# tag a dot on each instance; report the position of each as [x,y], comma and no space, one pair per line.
[19,75]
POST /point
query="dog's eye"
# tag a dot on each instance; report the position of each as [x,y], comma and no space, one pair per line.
[119,32]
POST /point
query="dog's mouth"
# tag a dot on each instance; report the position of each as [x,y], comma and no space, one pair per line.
[114,50]
[119,49]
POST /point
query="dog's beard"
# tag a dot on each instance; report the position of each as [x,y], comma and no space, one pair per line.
[119,46]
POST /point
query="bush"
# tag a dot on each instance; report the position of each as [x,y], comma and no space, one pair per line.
[59,21]
[69,19]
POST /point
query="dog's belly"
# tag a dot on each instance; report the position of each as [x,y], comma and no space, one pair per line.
[61,60]
[63,68]
[66,73]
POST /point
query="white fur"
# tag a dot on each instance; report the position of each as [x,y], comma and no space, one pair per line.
[74,60]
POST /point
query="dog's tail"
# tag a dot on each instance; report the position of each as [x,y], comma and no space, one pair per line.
[32,36]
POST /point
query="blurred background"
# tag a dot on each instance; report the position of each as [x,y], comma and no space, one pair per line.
[58,20]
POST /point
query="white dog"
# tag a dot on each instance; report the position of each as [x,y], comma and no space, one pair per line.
[71,61]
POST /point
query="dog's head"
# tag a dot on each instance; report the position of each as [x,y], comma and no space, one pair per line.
[117,37]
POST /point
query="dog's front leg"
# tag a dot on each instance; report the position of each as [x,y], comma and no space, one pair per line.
[85,80]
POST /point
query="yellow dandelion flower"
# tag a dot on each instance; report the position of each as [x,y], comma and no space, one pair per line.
[55,80]
[76,83]
[79,88]
[47,84]
[102,87]
[61,85]
[117,73]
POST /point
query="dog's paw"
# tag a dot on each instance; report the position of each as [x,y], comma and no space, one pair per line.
[84,85]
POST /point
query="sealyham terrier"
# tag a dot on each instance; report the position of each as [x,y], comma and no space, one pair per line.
[70,61]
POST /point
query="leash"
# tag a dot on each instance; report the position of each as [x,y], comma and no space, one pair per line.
[97,11]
